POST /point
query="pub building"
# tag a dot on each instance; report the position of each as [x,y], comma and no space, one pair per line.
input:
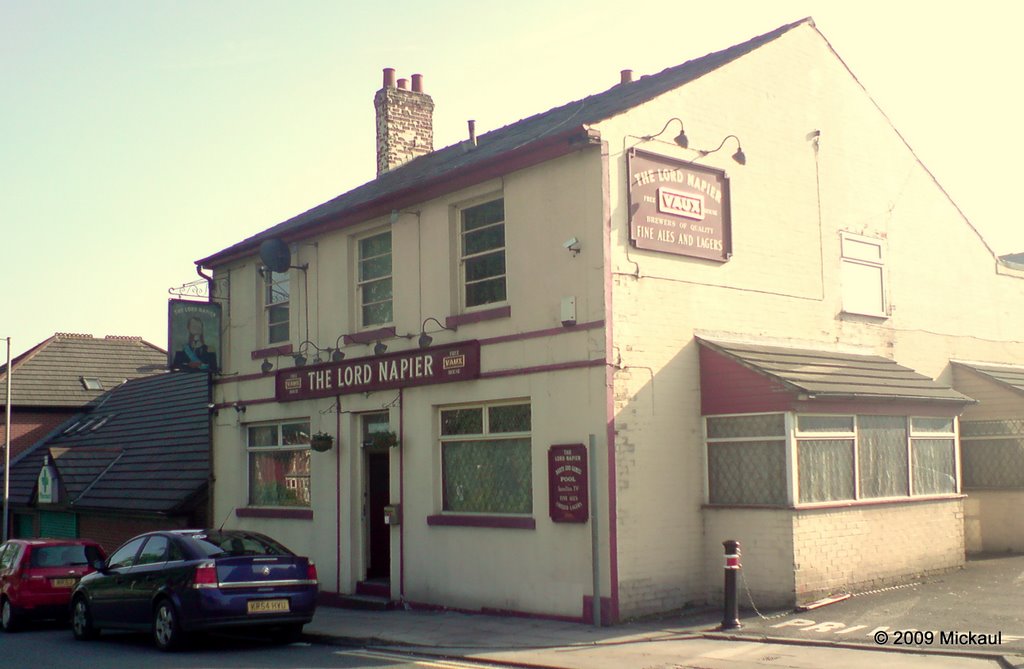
[721,302]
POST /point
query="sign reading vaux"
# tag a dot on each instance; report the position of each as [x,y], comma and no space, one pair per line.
[677,207]
[439,364]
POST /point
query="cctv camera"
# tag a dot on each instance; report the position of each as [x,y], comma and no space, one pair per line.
[572,244]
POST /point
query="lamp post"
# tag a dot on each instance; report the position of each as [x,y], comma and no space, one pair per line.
[7,441]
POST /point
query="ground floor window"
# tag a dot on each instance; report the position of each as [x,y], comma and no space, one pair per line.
[837,457]
[279,464]
[993,453]
[486,459]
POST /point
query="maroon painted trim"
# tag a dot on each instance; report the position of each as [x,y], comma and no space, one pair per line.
[558,366]
[609,376]
[477,316]
[533,334]
[533,153]
[283,349]
[401,492]
[370,336]
[506,522]
[294,514]
[337,492]
[606,610]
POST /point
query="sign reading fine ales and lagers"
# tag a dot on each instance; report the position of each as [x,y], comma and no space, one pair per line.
[677,207]
[568,483]
[421,367]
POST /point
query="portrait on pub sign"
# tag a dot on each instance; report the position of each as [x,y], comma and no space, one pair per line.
[193,336]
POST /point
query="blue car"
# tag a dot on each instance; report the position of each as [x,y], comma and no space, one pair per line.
[177,582]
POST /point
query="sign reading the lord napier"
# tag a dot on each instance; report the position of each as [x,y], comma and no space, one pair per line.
[420,367]
[677,207]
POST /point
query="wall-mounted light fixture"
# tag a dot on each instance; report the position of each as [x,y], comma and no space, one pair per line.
[380,348]
[681,139]
[266,366]
[572,245]
[739,156]
[425,339]
[239,407]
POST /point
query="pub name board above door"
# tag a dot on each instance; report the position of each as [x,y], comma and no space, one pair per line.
[678,207]
[421,367]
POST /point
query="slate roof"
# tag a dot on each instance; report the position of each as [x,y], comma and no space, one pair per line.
[831,375]
[50,374]
[442,164]
[1011,378]
[143,447]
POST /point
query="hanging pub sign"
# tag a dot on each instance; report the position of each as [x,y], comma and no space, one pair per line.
[47,487]
[678,207]
[193,335]
[568,483]
[420,367]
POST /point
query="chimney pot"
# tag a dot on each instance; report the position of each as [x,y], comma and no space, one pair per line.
[403,84]
[626,76]
[389,77]
[417,83]
[472,131]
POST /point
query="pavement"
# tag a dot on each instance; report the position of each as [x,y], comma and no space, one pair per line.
[970,617]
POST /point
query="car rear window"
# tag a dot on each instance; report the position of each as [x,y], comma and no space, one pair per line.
[62,556]
[217,544]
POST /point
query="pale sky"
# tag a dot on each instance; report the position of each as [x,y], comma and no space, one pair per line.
[138,136]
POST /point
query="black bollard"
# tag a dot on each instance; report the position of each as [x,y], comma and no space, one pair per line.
[731,613]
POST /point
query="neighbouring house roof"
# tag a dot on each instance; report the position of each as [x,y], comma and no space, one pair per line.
[1011,378]
[824,375]
[71,370]
[143,447]
[565,123]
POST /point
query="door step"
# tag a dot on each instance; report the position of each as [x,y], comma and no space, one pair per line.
[374,588]
[365,602]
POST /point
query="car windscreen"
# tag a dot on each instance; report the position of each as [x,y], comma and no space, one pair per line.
[62,556]
[219,544]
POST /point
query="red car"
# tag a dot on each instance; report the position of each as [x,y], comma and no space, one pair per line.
[37,575]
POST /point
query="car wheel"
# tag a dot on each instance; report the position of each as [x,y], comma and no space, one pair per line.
[167,632]
[81,621]
[9,618]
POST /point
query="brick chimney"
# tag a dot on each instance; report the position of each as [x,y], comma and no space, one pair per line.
[405,121]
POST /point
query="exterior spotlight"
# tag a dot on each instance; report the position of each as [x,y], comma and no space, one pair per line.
[380,348]
[425,340]
[266,366]
[299,359]
[317,359]
[338,355]
[682,140]
[739,156]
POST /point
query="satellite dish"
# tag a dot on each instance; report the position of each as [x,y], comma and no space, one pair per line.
[275,255]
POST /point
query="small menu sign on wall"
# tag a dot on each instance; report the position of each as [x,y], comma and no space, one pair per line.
[568,500]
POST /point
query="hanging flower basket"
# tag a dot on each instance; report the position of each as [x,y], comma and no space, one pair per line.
[381,440]
[321,441]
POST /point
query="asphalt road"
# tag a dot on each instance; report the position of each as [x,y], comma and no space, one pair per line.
[977,608]
[50,646]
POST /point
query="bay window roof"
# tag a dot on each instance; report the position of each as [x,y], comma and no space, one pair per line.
[747,377]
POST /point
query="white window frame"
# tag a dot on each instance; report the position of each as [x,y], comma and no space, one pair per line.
[360,283]
[278,447]
[464,258]
[269,279]
[860,257]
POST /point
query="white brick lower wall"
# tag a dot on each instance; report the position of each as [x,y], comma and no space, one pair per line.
[795,556]
[993,521]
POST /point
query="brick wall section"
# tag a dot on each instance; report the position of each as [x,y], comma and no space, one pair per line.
[112,531]
[28,427]
[868,547]
[993,522]
[766,547]
[405,126]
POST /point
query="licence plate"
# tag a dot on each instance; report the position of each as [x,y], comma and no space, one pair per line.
[63,582]
[268,606]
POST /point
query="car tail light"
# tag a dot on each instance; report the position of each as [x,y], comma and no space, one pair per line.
[311,572]
[205,576]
